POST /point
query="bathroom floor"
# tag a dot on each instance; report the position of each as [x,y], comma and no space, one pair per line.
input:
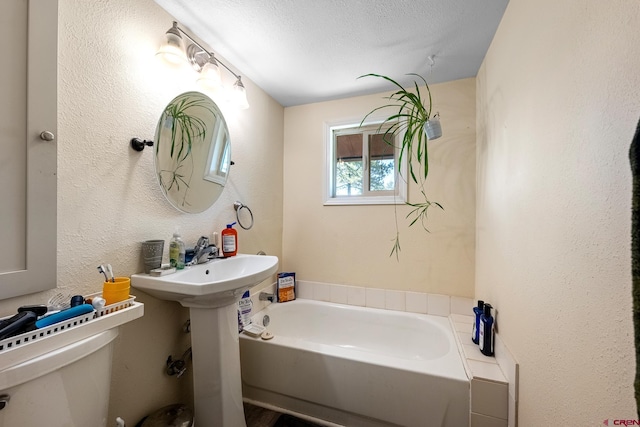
[261,417]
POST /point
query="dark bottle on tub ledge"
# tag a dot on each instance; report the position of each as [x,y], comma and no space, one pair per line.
[475,331]
[486,334]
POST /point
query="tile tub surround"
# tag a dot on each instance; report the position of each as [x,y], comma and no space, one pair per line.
[494,380]
[412,302]
[494,390]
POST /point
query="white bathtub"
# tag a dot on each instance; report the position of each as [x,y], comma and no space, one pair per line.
[357,366]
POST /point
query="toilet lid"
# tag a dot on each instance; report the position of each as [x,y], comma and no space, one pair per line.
[170,416]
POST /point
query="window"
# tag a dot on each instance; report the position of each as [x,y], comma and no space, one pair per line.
[361,166]
[218,160]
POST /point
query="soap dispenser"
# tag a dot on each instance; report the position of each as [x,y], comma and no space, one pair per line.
[177,252]
[229,241]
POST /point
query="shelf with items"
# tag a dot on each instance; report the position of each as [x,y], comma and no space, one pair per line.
[27,345]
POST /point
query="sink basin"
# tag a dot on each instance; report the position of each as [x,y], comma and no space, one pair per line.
[217,283]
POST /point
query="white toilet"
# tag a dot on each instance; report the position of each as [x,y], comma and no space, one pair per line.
[65,387]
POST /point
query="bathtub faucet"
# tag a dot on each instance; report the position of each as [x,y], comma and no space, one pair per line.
[264,296]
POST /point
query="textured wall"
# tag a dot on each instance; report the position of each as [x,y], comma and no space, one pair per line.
[351,244]
[111,89]
[558,99]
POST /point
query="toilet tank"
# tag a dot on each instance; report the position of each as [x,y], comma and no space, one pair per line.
[65,387]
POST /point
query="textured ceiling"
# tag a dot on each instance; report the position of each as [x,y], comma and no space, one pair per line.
[303,51]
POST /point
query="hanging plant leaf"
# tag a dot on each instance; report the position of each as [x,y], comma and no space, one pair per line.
[410,113]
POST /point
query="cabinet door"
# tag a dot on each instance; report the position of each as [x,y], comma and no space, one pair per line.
[28,86]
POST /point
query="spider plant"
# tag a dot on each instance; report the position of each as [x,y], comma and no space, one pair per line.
[411,110]
[184,115]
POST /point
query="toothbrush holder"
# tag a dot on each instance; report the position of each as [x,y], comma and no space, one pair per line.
[116,291]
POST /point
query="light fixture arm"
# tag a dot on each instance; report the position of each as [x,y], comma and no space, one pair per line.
[211,55]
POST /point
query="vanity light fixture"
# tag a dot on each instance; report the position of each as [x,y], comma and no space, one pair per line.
[172,51]
[203,61]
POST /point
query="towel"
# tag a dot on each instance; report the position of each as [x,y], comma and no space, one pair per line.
[634,159]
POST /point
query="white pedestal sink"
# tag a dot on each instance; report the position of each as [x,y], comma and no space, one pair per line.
[211,291]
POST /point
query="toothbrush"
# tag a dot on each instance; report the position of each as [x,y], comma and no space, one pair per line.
[101,270]
[113,279]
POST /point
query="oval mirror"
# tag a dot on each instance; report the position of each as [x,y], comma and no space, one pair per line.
[192,152]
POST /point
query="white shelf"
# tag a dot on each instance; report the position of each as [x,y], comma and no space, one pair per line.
[17,349]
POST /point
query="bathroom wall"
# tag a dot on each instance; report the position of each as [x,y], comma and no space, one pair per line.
[351,244]
[110,89]
[558,100]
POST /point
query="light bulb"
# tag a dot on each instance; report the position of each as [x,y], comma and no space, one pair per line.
[210,78]
[240,95]
[172,51]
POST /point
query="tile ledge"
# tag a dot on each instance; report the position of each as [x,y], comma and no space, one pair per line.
[497,376]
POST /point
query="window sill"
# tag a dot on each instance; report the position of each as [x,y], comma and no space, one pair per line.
[364,200]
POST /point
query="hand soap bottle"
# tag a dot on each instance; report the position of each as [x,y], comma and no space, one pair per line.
[229,241]
[486,331]
[176,252]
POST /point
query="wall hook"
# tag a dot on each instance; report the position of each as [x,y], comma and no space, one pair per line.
[139,144]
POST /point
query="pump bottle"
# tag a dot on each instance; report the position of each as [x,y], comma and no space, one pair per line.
[229,241]
[176,252]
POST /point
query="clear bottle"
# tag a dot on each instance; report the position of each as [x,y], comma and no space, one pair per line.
[176,252]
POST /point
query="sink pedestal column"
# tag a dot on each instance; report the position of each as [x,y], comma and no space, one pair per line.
[216,367]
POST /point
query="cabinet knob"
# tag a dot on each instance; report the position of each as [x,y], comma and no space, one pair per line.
[47,136]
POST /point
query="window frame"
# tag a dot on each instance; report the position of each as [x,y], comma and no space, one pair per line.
[398,196]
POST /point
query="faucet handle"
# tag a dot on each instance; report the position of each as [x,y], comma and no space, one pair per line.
[203,242]
[215,252]
[265,296]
